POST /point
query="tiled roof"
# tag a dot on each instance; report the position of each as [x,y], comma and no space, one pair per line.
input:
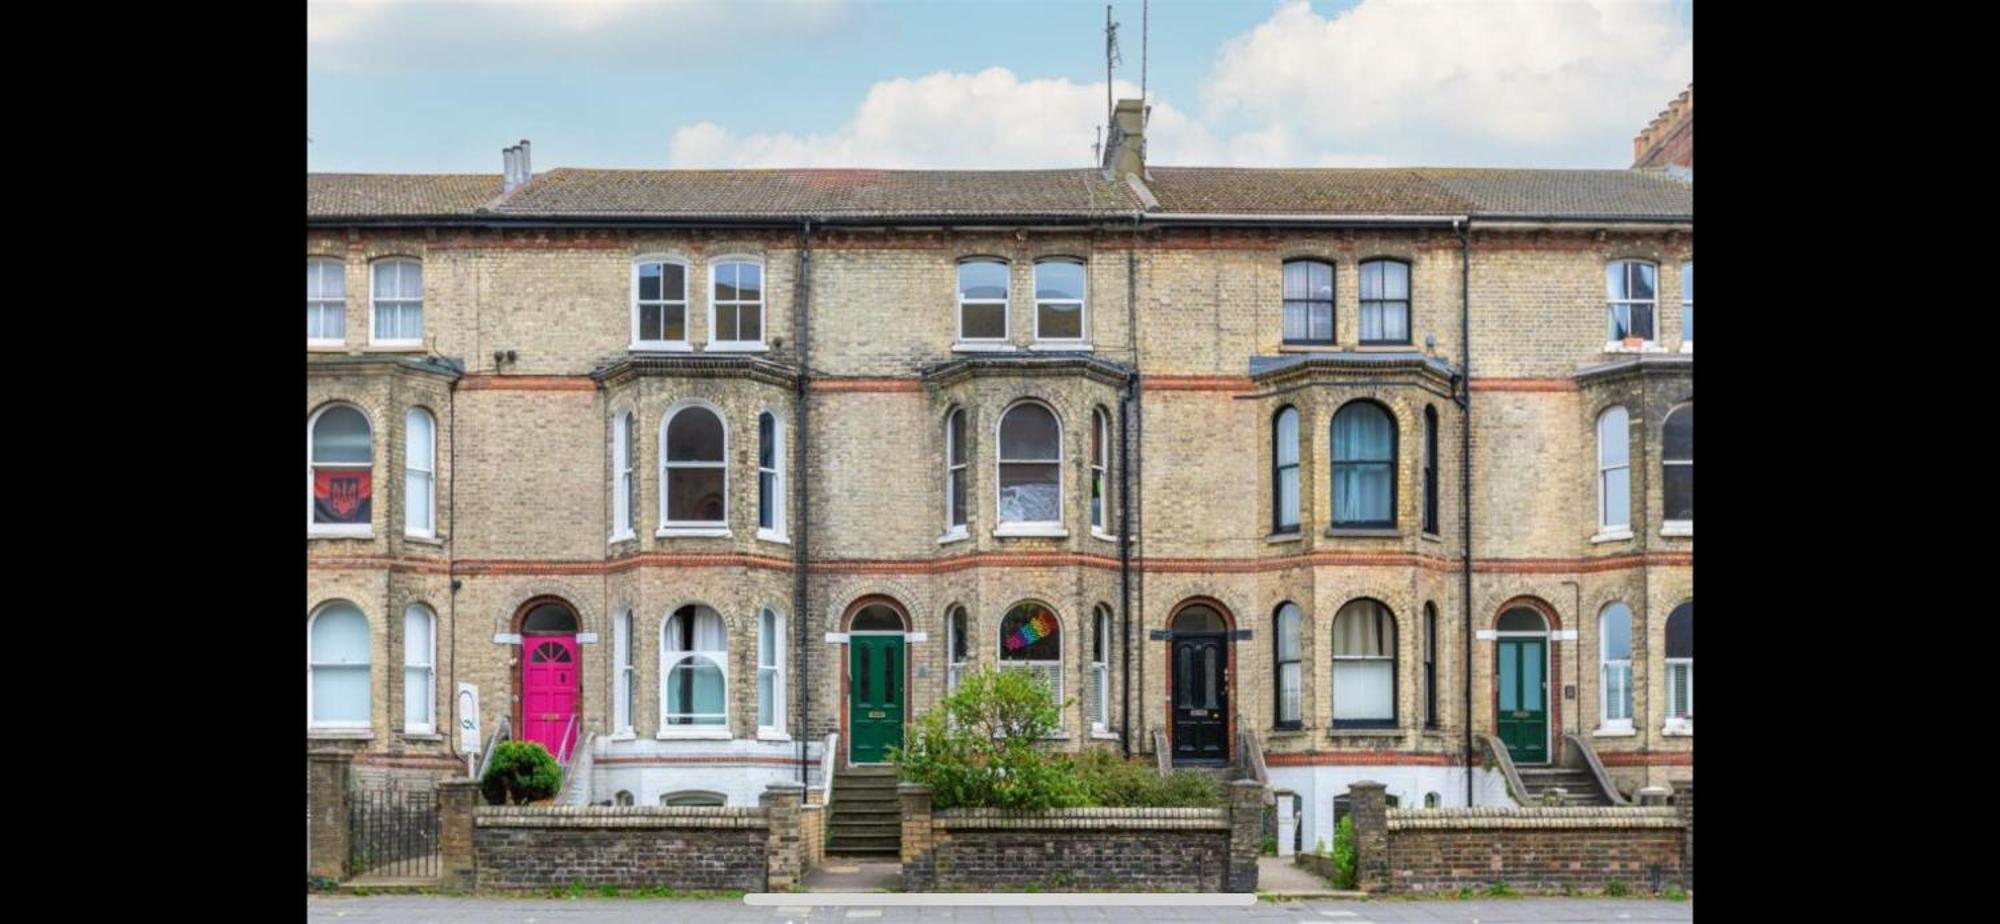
[393,195]
[570,193]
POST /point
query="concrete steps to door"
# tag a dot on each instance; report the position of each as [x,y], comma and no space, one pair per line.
[1579,786]
[867,817]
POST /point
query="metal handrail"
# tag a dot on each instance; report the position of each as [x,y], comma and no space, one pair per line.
[502,732]
[1596,767]
[1498,751]
[568,741]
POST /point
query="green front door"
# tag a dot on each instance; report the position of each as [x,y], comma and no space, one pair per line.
[1524,702]
[874,696]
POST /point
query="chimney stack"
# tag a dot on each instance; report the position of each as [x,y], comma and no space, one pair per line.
[1668,141]
[514,166]
[523,171]
[507,169]
[1125,145]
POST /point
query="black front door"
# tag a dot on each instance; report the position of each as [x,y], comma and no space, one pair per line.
[1201,698]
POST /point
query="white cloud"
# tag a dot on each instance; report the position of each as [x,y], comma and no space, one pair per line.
[1487,82]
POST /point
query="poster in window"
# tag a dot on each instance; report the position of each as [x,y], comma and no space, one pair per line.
[341,495]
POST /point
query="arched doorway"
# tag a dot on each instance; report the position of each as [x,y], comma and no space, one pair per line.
[875,684]
[551,679]
[1521,683]
[1198,684]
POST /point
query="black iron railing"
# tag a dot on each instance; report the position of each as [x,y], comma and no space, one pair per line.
[394,833]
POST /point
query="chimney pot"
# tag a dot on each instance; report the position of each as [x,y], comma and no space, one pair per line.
[525,170]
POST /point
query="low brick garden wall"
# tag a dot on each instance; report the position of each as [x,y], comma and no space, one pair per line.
[1082,850]
[643,846]
[1530,849]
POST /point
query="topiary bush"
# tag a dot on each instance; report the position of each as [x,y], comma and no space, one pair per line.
[522,772]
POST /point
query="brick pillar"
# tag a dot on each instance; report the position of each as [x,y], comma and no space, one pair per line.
[1684,801]
[1246,835]
[785,847]
[457,800]
[1370,810]
[1288,823]
[918,869]
[327,774]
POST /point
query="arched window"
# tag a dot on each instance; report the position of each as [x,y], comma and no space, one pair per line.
[1430,470]
[1030,463]
[1059,288]
[982,300]
[1364,665]
[770,477]
[419,473]
[419,655]
[397,302]
[1680,668]
[955,472]
[770,672]
[624,453]
[958,645]
[337,687]
[1288,637]
[1100,462]
[1430,665]
[695,655]
[1614,473]
[1285,471]
[624,694]
[1687,305]
[1031,640]
[694,798]
[340,472]
[1677,466]
[1100,670]
[624,797]
[1431,800]
[1614,655]
[659,303]
[1364,467]
[736,305]
[1630,288]
[694,445]
[326,302]
[1385,302]
[1308,295]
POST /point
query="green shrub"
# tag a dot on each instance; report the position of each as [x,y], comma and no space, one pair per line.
[980,747]
[1616,888]
[1114,782]
[1319,846]
[522,771]
[1343,853]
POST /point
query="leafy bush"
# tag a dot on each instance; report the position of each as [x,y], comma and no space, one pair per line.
[522,771]
[1343,853]
[1112,781]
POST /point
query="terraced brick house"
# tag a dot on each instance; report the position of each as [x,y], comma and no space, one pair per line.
[712,478]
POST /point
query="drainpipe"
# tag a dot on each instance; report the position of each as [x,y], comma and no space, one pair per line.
[802,522]
[1465,472]
[451,552]
[1125,454]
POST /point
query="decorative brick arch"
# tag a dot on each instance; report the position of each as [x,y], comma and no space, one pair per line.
[1554,674]
[1229,626]
[1531,602]
[841,601]
[846,612]
[520,658]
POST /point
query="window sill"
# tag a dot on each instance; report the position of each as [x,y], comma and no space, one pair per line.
[1612,535]
[769,536]
[954,534]
[1277,538]
[1104,735]
[983,346]
[768,735]
[1287,733]
[1364,732]
[1429,537]
[660,346]
[1101,534]
[340,532]
[1672,730]
[694,734]
[735,346]
[1311,348]
[691,532]
[1067,346]
[341,734]
[1677,528]
[422,736]
[422,539]
[626,735]
[396,346]
[1647,347]
[1047,531]
[1404,347]
[1390,532]
[1615,730]
[621,537]
[326,346]
[1687,347]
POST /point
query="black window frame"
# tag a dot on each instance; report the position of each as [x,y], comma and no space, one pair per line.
[1669,461]
[1334,470]
[1430,665]
[1278,662]
[1430,512]
[1331,302]
[1395,659]
[1409,286]
[1278,527]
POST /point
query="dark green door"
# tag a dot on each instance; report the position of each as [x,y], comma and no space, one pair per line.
[1524,701]
[874,696]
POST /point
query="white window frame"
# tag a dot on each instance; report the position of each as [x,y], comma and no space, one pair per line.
[1004,526]
[413,473]
[1100,671]
[715,343]
[1395,718]
[1607,666]
[622,482]
[663,303]
[376,302]
[1671,527]
[427,665]
[1290,610]
[669,659]
[776,531]
[1612,305]
[339,530]
[328,267]
[313,723]
[1100,469]
[625,682]
[1673,724]
[1687,306]
[1278,468]
[776,730]
[955,520]
[1051,672]
[1606,530]
[1006,305]
[1082,339]
[711,528]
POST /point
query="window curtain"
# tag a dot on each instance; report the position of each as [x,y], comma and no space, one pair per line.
[1363,445]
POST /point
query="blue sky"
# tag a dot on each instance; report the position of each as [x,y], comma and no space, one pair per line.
[441,86]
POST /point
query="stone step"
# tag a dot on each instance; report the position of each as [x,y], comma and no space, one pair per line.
[846,844]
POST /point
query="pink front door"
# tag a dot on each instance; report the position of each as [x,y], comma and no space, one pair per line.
[549,687]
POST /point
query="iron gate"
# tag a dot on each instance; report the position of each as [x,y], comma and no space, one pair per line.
[394,833]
